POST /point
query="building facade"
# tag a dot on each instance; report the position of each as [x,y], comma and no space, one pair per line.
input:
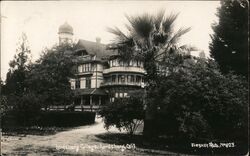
[100,75]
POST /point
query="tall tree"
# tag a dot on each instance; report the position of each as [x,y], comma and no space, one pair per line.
[49,76]
[229,46]
[149,38]
[15,80]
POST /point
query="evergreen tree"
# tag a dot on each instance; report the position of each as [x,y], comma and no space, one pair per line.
[15,80]
[229,46]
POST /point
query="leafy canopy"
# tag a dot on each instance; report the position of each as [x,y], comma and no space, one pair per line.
[49,76]
[124,113]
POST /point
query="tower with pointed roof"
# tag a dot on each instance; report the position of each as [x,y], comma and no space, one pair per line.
[65,33]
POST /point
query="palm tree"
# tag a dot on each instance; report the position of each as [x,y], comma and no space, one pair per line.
[149,38]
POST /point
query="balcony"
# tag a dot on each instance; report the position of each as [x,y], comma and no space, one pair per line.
[85,73]
[137,84]
[124,69]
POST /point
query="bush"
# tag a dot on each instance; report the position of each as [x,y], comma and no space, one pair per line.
[125,113]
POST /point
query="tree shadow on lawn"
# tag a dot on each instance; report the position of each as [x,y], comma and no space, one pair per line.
[169,144]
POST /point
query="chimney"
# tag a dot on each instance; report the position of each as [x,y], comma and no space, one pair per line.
[98,40]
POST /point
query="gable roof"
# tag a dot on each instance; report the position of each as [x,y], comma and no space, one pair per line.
[94,48]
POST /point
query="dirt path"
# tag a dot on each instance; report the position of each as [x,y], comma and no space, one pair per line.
[77,141]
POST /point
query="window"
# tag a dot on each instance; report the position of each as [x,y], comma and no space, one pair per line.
[88,67]
[77,83]
[72,85]
[125,64]
[116,95]
[139,63]
[134,63]
[125,94]
[132,79]
[114,63]
[121,95]
[84,68]
[123,79]
[128,78]
[88,82]
[110,63]
[113,78]
[80,68]
[138,79]
[130,63]
[120,63]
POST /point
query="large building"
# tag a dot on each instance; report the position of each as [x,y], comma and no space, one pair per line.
[101,75]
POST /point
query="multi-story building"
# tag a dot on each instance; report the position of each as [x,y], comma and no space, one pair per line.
[101,75]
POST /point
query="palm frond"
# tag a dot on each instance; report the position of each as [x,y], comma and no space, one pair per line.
[129,28]
[142,25]
[178,34]
[116,31]
[167,24]
[121,38]
[158,19]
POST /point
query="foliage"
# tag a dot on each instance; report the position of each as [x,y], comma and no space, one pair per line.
[22,57]
[229,46]
[15,89]
[124,113]
[149,38]
[15,80]
[16,119]
[26,102]
[49,76]
[4,104]
[198,101]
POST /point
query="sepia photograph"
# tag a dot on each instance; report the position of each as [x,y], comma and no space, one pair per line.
[131,78]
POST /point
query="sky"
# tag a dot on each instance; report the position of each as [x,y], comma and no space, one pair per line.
[40,20]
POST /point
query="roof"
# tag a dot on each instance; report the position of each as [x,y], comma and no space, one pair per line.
[94,48]
[65,28]
[91,91]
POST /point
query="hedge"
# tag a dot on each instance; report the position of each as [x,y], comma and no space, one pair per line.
[46,118]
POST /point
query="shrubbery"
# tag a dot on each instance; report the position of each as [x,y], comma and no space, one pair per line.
[197,101]
[125,113]
[14,119]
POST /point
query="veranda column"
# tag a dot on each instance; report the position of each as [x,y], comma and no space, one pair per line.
[100,100]
[90,102]
[82,103]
